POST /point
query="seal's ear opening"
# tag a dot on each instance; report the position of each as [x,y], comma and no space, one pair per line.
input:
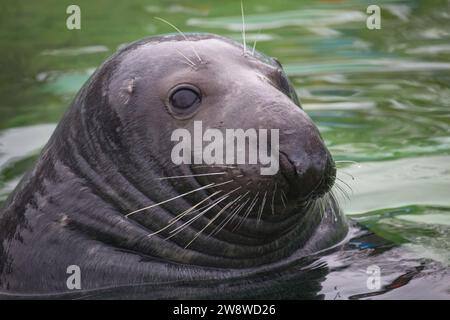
[183,100]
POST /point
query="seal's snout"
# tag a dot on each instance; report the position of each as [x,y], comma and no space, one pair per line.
[307,166]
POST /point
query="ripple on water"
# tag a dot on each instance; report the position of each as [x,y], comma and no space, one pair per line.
[63,82]
[75,51]
[398,183]
[313,18]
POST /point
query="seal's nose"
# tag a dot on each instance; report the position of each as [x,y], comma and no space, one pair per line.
[307,165]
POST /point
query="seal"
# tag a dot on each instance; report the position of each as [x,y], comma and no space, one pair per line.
[105,197]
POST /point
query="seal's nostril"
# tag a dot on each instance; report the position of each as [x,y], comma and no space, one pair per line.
[288,169]
[308,178]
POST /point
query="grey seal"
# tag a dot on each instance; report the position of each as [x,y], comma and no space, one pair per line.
[104,195]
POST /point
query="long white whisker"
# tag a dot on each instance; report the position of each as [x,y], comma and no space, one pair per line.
[188,60]
[346,173]
[222,183]
[178,229]
[322,208]
[180,32]
[254,43]
[199,209]
[184,213]
[247,212]
[261,209]
[336,187]
[282,200]
[192,209]
[342,191]
[232,215]
[175,231]
[346,184]
[212,220]
[284,195]
[333,197]
[216,185]
[188,64]
[214,166]
[194,175]
[254,47]
[273,198]
[165,201]
[243,28]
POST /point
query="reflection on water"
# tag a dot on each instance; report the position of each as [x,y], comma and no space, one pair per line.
[380,98]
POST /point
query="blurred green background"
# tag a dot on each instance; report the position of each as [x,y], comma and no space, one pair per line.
[379,97]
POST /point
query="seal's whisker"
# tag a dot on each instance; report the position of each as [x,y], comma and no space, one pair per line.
[282,200]
[342,191]
[190,62]
[273,198]
[181,33]
[204,206]
[192,209]
[311,205]
[326,203]
[314,204]
[254,47]
[317,205]
[261,208]
[346,184]
[222,183]
[284,195]
[184,213]
[165,201]
[198,209]
[233,214]
[180,228]
[247,212]
[334,198]
[242,206]
[193,175]
[213,219]
[214,166]
[243,29]
[346,173]
[325,200]
[323,206]
[254,44]
[216,202]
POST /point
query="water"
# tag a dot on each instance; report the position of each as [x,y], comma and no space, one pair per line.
[380,98]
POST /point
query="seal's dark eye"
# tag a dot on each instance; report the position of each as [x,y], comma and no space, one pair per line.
[184,98]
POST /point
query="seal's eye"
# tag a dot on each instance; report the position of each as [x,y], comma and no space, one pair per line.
[183,101]
[184,98]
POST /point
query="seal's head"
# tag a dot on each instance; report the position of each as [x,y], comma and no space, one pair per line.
[168,98]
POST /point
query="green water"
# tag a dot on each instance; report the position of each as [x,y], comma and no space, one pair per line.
[379,97]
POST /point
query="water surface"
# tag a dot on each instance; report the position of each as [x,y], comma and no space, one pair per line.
[380,98]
